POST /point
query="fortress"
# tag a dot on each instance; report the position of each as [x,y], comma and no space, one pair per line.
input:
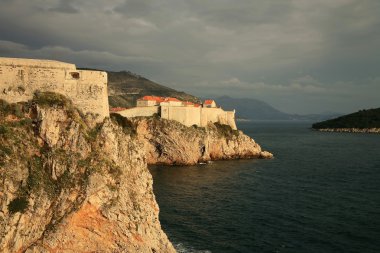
[186,113]
[21,78]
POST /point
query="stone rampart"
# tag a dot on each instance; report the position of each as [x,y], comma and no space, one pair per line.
[20,78]
[213,115]
[187,116]
[139,111]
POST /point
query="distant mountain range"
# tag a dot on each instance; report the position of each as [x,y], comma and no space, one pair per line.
[253,109]
[125,87]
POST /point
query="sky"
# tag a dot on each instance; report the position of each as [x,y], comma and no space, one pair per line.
[300,56]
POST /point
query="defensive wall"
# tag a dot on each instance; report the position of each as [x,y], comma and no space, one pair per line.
[214,115]
[145,111]
[188,116]
[20,78]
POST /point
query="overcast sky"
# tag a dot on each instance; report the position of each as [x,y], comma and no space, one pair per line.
[301,56]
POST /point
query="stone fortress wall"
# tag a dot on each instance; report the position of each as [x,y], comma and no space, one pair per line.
[20,78]
[186,115]
[200,116]
[145,111]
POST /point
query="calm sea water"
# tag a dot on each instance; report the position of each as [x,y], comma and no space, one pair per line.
[321,193]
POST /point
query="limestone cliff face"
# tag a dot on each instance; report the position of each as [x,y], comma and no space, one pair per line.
[171,143]
[69,186]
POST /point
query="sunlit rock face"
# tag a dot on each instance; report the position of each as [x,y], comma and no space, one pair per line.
[169,142]
[70,185]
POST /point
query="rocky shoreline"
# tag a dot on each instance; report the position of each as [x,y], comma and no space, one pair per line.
[351,130]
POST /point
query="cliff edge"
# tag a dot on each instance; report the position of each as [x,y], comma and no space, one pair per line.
[171,143]
[68,185]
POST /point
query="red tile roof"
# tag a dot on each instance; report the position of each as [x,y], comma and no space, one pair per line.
[208,102]
[159,99]
[152,98]
[172,99]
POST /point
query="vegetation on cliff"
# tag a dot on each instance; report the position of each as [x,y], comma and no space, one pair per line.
[69,184]
[361,120]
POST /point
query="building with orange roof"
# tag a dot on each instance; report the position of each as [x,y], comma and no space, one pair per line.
[156,101]
[209,103]
[149,101]
[185,112]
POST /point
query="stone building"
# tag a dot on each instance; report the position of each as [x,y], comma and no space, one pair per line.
[209,103]
[21,78]
[186,113]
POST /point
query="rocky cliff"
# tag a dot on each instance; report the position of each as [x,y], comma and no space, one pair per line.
[68,185]
[171,143]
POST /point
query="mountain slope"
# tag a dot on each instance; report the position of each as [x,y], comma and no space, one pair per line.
[124,88]
[248,108]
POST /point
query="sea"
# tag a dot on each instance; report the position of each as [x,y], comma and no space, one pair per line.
[321,193]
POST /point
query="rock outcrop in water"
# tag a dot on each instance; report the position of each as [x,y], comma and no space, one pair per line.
[171,143]
[70,186]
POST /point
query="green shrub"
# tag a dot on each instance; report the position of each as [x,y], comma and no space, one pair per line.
[5,150]
[4,107]
[39,178]
[17,110]
[93,133]
[127,125]
[226,130]
[51,99]
[3,129]
[18,205]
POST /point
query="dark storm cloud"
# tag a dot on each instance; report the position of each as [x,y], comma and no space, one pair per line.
[301,56]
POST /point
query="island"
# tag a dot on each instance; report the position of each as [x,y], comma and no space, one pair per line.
[363,121]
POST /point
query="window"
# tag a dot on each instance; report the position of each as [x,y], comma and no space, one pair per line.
[75,75]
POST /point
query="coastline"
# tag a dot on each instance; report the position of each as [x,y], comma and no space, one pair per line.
[350,130]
